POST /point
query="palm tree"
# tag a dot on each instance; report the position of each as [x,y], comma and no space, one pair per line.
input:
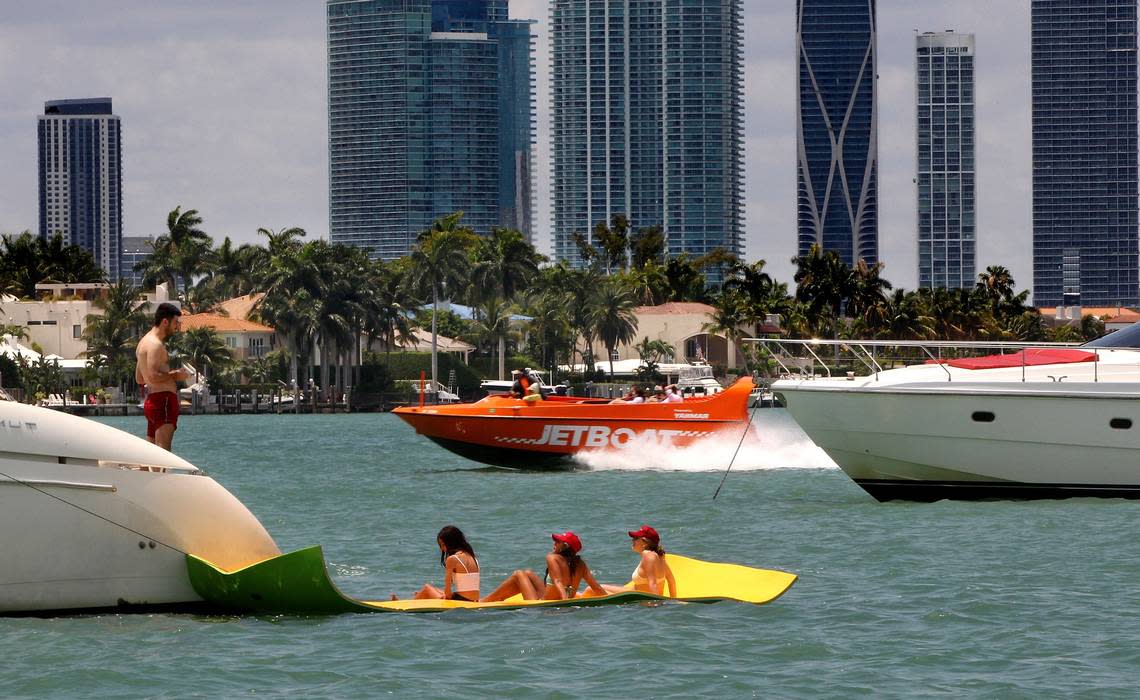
[293,285]
[824,281]
[204,350]
[15,330]
[504,264]
[647,246]
[730,312]
[114,333]
[441,264]
[549,323]
[612,316]
[492,324]
[26,260]
[869,295]
[389,309]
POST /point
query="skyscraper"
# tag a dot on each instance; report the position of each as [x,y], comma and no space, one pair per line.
[80,177]
[836,128]
[648,120]
[135,249]
[1085,240]
[944,63]
[430,112]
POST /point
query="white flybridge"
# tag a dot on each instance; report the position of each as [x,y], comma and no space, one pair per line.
[1035,421]
[92,517]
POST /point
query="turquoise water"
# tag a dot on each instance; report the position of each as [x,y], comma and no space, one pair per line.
[1000,599]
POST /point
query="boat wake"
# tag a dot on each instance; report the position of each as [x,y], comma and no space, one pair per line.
[769,445]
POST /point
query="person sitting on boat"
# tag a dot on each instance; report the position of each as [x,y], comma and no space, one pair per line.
[634,395]
[672,395]
[658,395]
[522,383]
[564,568]
[652,574]
[460,568]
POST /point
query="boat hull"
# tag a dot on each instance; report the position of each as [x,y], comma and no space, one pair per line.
[92,517]
[507,432]
[981,441]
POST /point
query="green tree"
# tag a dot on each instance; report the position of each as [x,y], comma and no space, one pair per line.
[440,266]
[612,316]
[504,264]
[204,350]
[731,313]
[114,333]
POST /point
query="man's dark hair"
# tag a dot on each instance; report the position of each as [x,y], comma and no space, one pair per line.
[164,311]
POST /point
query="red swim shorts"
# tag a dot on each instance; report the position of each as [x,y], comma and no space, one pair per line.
[160,408]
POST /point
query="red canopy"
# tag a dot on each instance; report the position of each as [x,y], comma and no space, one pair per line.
[1027,358]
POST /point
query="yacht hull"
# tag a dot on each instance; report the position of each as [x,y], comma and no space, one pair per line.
[91,517]
[975,441]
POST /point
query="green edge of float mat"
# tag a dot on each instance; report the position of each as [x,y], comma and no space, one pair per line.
[299,583]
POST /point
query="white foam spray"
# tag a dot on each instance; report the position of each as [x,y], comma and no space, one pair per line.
[774,441]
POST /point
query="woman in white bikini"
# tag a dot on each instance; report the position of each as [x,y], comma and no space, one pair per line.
[460,568]
[565,569]
[652,574]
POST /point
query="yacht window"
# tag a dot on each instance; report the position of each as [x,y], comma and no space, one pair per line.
[1121,423]
[983,417]
[1124,338]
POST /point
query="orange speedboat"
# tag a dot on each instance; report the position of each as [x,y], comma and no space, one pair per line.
[510,432]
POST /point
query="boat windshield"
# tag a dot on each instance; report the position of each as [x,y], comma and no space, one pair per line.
[1124,338]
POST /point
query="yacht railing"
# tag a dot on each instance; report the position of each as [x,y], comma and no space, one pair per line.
[864,352]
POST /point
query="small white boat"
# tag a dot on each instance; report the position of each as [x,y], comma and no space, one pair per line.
[92,517]
[1030,422]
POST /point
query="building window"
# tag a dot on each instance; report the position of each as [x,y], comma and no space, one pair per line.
[77,331]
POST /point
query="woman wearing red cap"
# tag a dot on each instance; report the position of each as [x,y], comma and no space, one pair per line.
[652,572]
[565,569]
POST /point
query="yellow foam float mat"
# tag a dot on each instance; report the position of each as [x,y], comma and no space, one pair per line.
[299,583]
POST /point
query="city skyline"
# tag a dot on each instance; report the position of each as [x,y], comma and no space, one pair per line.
[237,129]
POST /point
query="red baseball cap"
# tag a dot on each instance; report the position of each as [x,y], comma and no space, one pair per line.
[570,539]
[646,532]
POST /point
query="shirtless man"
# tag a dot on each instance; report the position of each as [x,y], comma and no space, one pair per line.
[152,369]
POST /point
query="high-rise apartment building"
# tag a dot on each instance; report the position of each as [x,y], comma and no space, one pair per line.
[1085,240]
[648,120]
[135,249]
[80,177]
[944,65]
[431,110]
[836,128]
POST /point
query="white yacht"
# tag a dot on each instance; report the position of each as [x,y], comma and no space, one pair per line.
[92,517]
[1030,422]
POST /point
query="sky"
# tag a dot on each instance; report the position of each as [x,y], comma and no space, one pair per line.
[223,110]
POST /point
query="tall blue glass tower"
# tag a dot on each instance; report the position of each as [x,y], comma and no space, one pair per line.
[431,111]
[1085,239]
[836,128]
[80,177]
[648,120]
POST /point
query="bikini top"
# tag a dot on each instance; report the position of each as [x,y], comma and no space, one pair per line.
[640,579]
[468,580]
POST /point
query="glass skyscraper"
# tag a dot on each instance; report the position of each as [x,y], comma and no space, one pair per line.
[648,120]
[836,128]
[944,63]
[80,177]
[1085,238]
[431,110]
